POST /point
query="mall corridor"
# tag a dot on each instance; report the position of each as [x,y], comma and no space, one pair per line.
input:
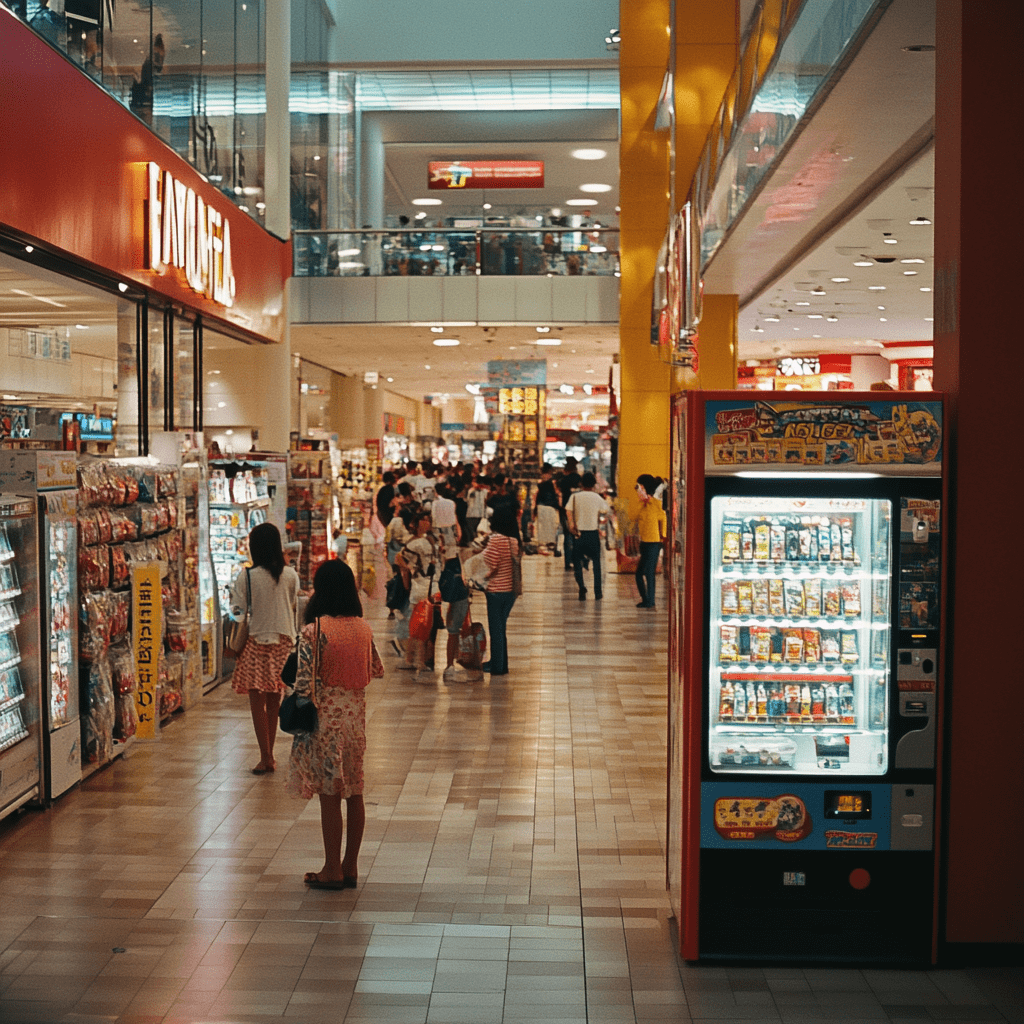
[512,871]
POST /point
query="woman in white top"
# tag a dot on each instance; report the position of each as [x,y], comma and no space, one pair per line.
[270,589]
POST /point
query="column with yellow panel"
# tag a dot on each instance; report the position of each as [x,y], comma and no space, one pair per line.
[644,201]
[706,54]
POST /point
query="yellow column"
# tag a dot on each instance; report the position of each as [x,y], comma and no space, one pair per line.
[644,213]
[717,343]
[705,57]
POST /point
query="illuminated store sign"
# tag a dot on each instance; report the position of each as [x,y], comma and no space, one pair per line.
[445,174]
[186,234]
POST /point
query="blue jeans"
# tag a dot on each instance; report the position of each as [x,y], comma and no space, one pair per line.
[647,571]
[499,606]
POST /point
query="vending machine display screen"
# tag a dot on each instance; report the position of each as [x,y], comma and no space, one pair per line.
[800,616]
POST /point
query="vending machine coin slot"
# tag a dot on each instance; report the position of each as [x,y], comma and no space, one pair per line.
[915,680]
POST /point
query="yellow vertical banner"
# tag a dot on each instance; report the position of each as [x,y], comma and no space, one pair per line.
[146,641]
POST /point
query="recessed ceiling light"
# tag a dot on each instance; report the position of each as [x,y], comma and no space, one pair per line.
[220,405]
[426,367]
[391,380]
[891,241]
[832,319]
[863,263]
[771,319]
[882,307]
[929,319]
[926,289]
[553,342]
[581,202]
[81,327]
[446,342]
[912,259]
[595,187]
[876,287]
[815,316]
[910,273]
[543,330]
[589,154]
[840,280]
[29,248]
[803,303]
[487,206]
[437,330]
[427,202]
[919,221]
[122,287]
[882,320]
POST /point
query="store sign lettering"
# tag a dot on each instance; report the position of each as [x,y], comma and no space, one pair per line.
[835,840]
[186,234]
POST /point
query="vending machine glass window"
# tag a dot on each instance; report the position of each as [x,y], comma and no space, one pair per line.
[800,633]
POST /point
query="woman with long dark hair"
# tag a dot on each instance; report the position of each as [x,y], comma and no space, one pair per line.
[501,551]
[270,589]
[328,763]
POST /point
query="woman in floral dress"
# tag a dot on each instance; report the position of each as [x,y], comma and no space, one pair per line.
[328,763]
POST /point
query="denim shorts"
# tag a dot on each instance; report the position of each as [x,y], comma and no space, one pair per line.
[456,615]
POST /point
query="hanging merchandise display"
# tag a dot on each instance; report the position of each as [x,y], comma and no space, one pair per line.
[310,509]
[183,450]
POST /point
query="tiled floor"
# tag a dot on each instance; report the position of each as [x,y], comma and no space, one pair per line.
[513,867]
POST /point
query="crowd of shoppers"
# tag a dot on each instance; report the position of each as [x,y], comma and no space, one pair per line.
[435,521]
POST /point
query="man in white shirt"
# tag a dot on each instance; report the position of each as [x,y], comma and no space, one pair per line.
[444,520]
[583,511]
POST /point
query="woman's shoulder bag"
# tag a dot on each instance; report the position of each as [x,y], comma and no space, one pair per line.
[298,713]
[237,635]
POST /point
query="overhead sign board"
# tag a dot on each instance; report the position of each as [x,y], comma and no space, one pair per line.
[490,174]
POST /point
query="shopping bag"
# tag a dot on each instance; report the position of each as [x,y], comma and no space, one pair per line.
[472,645]
[397,593]
[422,620]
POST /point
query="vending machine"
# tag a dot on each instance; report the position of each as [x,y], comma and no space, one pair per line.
[21,704]
[50,478]
[805,688]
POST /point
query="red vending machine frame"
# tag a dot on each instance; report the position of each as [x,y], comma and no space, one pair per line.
[878,451]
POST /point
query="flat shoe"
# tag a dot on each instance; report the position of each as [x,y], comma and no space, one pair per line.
[315,883]
[259,770]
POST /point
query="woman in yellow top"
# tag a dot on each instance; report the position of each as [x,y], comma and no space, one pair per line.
[653,526]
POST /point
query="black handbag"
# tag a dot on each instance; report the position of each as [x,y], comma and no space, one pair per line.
[396,592]
[298,712]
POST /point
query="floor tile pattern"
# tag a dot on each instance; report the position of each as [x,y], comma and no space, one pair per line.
[512,871]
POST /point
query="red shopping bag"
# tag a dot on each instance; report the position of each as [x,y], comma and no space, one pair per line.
[421,623]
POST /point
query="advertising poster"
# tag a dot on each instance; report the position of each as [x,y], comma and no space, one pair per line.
[894,437]
[146,644]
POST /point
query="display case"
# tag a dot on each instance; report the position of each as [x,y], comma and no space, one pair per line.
[800,637]
[311,516]
[21,747]
[230,525]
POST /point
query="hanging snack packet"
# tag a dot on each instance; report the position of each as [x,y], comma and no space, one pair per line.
[730,601]
[776,598]
[831,600]
[745,597]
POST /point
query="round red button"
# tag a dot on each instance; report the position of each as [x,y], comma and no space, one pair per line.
[859,878]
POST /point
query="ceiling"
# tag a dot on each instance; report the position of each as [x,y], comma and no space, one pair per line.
[872,132]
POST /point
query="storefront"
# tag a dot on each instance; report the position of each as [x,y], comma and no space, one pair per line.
[117,260]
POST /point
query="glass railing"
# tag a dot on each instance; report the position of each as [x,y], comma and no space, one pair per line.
[545,252]
[771,91]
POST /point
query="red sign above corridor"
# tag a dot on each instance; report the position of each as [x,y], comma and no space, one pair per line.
[448,174]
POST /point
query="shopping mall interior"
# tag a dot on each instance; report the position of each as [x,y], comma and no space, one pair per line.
[618,214]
